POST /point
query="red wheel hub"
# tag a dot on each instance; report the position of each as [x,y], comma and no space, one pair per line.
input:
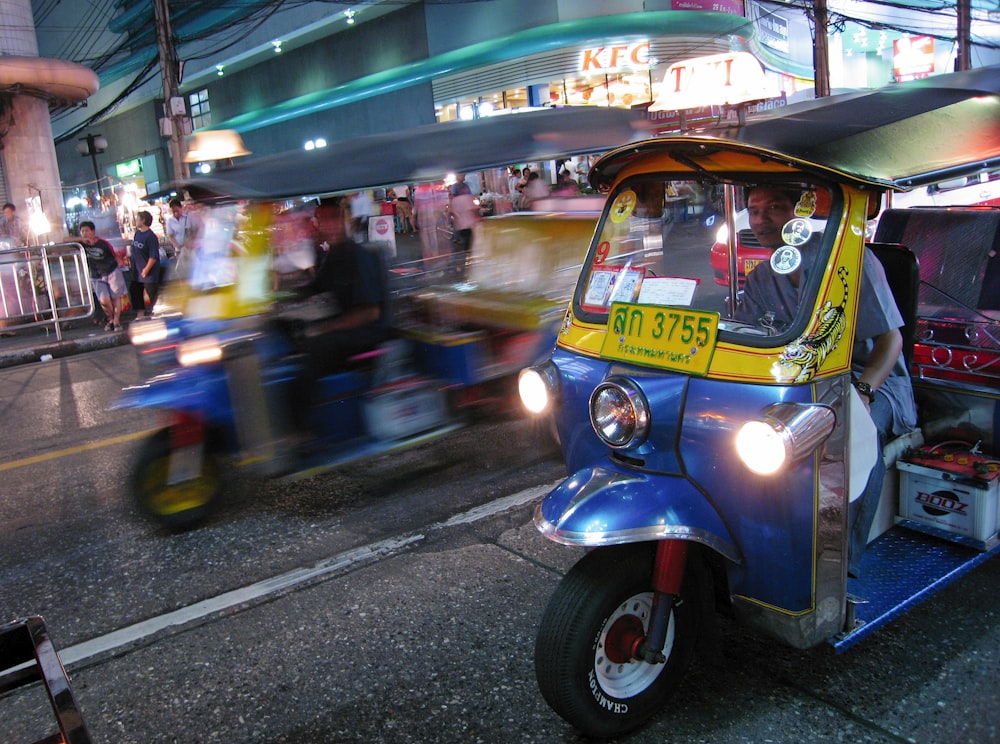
[623,639]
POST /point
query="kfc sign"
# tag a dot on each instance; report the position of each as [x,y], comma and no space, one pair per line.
[615,57]
[715,80]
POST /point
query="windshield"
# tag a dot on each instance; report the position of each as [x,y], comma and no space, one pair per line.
[666,242]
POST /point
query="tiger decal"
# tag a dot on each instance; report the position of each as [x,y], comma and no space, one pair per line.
[802,358]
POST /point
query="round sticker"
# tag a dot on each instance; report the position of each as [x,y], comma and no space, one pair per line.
[623,206]
[786,259]
[796,232]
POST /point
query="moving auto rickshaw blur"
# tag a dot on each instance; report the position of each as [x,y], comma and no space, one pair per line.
[226,365]
[719,450]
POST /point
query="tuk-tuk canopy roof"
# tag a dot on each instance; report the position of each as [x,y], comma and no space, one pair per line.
[898,137]
[424,154]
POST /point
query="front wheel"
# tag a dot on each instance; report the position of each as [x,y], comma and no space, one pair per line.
[178,506]
[583,668]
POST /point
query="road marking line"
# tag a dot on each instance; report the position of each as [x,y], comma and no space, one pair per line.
[82,652]
[35,459]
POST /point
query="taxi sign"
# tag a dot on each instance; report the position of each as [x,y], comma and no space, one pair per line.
[674,338]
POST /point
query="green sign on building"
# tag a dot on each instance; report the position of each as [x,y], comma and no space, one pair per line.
[129,168]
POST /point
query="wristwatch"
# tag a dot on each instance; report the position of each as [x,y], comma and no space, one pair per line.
[865,389]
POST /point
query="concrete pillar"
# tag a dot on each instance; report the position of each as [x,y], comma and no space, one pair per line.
[29,153]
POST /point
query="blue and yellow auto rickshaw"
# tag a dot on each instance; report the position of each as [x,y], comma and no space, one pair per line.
[713,458]
[220,359]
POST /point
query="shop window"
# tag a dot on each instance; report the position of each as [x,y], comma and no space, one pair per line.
[515,98]
[201,112]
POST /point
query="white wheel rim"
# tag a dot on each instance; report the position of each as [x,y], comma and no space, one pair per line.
[626,680]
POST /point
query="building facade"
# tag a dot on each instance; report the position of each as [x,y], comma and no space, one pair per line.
[416,63]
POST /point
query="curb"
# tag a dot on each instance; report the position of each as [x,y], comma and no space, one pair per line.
[60,349]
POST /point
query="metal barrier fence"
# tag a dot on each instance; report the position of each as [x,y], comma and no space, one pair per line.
[44,285]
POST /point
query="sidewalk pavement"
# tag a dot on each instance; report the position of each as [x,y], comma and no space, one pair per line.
[39,344]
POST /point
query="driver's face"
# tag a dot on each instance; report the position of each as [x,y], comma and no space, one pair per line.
[768,211]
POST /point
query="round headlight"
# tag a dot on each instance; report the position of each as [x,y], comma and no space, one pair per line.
[760,447]
[785,433]
[619,413]
[537,387]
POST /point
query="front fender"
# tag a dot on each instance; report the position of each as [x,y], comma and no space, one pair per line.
[604,505]
[200,389]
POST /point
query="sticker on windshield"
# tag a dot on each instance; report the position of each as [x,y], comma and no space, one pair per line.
[807,204]
[796,232]
[608,284]
[623,206]
[786,259]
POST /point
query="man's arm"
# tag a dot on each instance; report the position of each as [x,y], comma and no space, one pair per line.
[885,352]
[356,317]
[153,246]
[171,226]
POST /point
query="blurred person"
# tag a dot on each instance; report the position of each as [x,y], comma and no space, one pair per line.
[521,185]
[878,369]
[183,228]
[513,181]
[12,228]
[567,185]
[464,213]
[404,211]
[106,278]
[362,207]
[349,278]
[535,189]
[144,264]
[387,208]
[460,187]
[431,205]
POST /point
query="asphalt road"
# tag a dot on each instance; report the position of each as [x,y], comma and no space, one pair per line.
[391,601]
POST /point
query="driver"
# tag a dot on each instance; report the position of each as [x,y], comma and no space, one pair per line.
[877,364]
[349,277]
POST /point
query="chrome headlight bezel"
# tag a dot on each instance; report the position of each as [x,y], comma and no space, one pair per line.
[619,413]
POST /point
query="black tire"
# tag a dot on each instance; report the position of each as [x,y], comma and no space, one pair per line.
[178,507]
[598,697]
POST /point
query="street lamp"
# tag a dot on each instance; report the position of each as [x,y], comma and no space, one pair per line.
[91,145]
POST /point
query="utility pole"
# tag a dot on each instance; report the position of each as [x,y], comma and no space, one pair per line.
[963,59]
[175,111]
[821,49]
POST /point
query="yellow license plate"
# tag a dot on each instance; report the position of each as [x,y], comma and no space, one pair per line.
[673,338]
[749,263]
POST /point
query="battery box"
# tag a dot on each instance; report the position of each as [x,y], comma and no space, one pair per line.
[953,492]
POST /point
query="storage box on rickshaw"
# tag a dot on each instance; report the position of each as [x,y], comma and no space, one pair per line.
[505,312]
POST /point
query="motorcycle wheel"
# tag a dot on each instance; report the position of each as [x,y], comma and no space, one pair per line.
[602,601]
[175,507]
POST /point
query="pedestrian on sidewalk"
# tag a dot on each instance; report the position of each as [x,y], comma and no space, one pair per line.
[106,278]
[183,229]
[145,266]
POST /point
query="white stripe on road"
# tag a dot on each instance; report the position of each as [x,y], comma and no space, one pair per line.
[87,650]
